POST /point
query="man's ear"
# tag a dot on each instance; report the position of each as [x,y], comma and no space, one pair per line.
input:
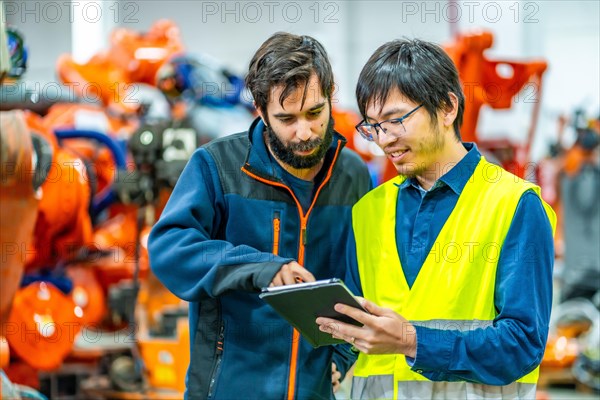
[260,113]
[450,110]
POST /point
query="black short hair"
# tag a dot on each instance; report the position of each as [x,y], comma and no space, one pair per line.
[420,70]
[289,60]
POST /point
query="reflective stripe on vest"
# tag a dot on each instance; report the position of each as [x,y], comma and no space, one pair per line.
[455,286]
[382,387]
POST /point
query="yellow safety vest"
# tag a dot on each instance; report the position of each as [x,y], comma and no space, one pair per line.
[454,289]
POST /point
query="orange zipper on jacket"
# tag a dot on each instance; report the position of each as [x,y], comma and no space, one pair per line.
[303,240]
[276,230]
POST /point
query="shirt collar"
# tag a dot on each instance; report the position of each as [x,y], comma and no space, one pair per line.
[458,176]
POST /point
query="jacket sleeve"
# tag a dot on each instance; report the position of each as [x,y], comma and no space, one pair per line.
[344,357]
[184,251]
[352,278]
[514,344]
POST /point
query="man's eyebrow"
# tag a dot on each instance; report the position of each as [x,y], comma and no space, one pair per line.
[281,115]
[315,107]
[388,113]
[394,111]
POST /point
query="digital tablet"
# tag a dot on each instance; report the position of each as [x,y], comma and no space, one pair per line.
[300,304]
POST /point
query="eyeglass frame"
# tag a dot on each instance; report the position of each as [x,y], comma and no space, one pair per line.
[377,126]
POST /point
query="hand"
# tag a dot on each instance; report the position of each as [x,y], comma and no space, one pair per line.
[383,332]
[290,273]
[335,377]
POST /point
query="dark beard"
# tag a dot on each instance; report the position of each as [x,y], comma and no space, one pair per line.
[286,154]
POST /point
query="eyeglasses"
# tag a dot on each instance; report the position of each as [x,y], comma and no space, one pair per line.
[392,126]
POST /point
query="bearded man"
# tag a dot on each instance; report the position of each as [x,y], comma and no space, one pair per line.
[266,207]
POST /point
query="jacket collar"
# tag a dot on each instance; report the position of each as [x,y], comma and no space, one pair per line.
[260,161]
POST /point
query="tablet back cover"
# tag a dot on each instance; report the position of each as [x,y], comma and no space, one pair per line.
[301,304]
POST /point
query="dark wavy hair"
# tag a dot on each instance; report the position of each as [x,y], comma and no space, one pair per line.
[420,70]
[288,60]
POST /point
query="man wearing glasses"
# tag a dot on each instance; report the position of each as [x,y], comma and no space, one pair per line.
[454,255]
[266,207]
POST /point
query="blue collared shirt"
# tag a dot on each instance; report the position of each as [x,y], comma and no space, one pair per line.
[516,341]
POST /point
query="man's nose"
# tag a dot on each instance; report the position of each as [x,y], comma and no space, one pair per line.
[383,139]
[304,131]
